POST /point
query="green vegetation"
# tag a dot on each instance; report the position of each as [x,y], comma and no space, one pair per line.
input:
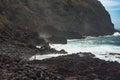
[78,3]
[3,21]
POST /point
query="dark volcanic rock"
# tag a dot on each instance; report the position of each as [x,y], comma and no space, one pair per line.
[75,67]
[25,51]
[10,34]
[14,68]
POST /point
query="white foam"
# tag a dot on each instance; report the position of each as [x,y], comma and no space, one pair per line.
[96,45]
[76,46]
[116,34]
[41,57]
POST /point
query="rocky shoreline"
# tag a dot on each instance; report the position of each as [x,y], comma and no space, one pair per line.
[25,51]
[82,66]
[15,65]
[17,69]
[27,23]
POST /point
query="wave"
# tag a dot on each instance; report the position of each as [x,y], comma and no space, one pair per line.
[116,34]
[96,45]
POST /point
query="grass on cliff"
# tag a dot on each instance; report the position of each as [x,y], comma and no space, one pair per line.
[3,21]
[79,3]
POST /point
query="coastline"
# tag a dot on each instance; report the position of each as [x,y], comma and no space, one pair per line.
[29,27]
[76,67]
[79,66]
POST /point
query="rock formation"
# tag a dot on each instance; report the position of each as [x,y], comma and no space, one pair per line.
[60,18]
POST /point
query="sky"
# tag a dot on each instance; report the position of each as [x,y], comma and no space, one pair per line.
[113,7]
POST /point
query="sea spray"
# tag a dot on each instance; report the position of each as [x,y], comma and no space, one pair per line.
[100,46]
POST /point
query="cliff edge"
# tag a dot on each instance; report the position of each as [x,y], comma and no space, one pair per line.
[59,18]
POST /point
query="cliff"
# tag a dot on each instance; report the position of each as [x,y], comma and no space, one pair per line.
[61,18]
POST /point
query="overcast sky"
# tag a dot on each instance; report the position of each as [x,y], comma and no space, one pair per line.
[113,6]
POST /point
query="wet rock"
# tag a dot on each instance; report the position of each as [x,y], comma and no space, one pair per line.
[114,53]
[87,55]
[63,51]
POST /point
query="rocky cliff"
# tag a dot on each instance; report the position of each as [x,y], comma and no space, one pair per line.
[64,18]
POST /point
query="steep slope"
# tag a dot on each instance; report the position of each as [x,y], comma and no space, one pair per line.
[88,17]
[64,18]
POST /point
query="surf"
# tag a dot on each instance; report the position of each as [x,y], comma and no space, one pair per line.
[96,45]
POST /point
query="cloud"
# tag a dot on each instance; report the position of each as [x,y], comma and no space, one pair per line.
[110,3]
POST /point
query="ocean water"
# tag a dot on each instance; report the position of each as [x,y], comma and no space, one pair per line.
[100,46]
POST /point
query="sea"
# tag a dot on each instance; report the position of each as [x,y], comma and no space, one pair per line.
[103,47]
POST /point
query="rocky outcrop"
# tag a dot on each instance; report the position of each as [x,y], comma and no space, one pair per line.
[61,18]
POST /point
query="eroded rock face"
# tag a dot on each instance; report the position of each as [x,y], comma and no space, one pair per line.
[84,17]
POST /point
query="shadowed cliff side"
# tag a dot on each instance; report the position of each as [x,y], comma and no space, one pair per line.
[67,18]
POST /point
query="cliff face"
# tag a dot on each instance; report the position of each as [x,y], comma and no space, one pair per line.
[87,17]
[56,17]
